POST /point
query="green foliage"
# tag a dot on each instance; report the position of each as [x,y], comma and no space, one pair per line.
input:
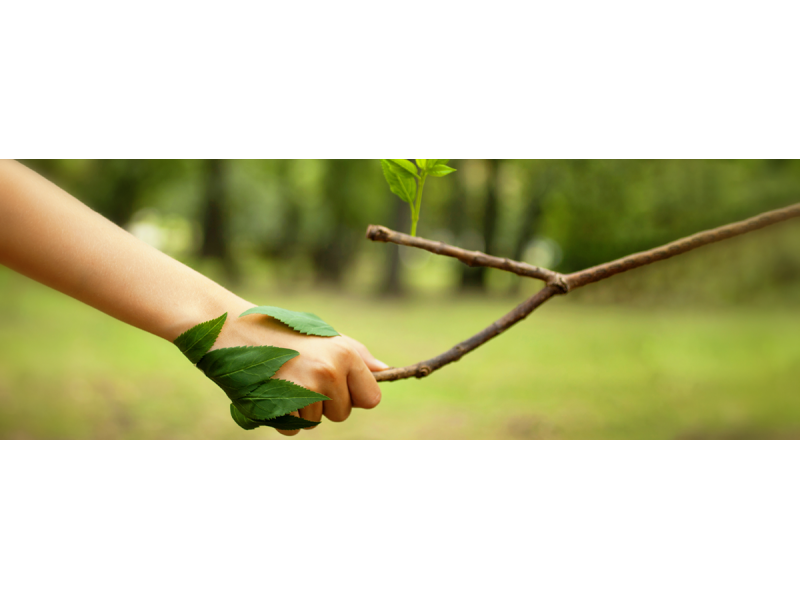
[198,340]
[245,374]
[400,180]
[243,421]
[307,323]
[441,171]
[235,369]
[408,180]
[274,398]
[404,164]
[286,422]
[305,218]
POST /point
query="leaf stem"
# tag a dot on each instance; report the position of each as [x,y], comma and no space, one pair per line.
[415,208]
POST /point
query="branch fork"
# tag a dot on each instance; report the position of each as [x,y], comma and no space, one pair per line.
[556,283]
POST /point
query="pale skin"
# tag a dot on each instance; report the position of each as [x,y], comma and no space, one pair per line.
[48,235]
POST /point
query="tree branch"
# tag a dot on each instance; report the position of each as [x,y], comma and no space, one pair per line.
[634,261]
[557,283]
[378,233]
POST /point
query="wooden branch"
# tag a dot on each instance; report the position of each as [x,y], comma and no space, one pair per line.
[377,233]
[634,261]
[557,283]
[425,368]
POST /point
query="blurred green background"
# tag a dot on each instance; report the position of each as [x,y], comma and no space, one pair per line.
[705,345]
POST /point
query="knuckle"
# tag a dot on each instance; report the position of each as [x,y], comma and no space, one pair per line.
[343,351]
[326,372]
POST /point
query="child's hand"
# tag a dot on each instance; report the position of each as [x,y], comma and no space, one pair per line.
[337,367]
[50,236]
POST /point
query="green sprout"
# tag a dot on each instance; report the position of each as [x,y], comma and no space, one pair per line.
[407,180]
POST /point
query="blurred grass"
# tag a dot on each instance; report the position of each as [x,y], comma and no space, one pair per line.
[572,370]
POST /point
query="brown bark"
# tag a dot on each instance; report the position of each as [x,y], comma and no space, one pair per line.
[378,233]
[557,283]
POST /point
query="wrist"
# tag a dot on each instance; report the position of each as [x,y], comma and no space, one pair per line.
[209,305]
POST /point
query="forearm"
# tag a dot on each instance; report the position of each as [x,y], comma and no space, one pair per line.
[51,237]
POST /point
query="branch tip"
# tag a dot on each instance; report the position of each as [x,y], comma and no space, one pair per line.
[377,233]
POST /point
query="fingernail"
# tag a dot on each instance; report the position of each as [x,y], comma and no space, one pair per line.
[382,365]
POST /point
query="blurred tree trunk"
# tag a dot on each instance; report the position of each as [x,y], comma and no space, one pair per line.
[456,213]
[288,246]
[401,221]
[530,221]
[125,189]
[475,278]
[331,256]
[216,243]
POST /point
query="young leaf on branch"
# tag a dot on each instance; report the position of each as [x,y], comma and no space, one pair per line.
[441,171]
[401,182]
[408,180]
[405,164]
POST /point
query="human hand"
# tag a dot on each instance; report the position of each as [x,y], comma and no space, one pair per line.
[337,367]
[52,237]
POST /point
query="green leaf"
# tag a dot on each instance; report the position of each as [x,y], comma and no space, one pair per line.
[422,163]
[401,182]
[198,340]
[286,422]
[441,170]
[289,423]
[404,164]
[236,369]
[432,162]
[307,323]
[243,421]
[244,373]
[408,185]
[275,398]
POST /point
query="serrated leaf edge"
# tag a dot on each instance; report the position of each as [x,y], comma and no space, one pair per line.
[260,422]
[255,311]
[266,422]
[253,388]
[222,319]
[222,350]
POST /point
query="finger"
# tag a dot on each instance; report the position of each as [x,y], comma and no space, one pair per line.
[364,390]
[338,408]
[312,413]
[290,432]
[373,364]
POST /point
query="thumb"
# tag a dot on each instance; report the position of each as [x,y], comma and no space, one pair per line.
[373,364]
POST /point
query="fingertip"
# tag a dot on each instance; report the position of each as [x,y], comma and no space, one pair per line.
[376,365]
[374,402]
